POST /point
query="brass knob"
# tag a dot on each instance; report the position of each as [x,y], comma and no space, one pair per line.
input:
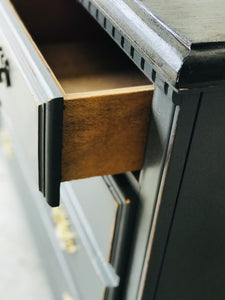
[66,296]
[6,143]
[62,226]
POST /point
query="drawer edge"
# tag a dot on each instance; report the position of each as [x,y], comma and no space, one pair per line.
[50,149]
[27,56]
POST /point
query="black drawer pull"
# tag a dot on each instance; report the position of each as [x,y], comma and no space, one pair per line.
[4,68]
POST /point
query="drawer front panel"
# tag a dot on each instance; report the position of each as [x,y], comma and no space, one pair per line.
[33,127]
[54,264]
[20,110]
[69,242]
[100,209]
[107,209]
[32,87]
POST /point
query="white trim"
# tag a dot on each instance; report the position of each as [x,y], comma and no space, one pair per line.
[36,74]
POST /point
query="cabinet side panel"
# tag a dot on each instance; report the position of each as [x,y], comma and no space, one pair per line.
[194,261]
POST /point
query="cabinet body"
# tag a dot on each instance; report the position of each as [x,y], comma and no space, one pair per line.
[84,110]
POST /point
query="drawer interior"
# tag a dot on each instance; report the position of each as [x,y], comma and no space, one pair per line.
[85,66]
[80,54]
[107,99]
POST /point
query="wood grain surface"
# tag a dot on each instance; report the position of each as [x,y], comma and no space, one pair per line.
[84,66]
[105,132]
[199,21]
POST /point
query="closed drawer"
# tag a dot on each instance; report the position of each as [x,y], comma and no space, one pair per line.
[109,205]
[35,209]
[90,106]
[90,273]
[94,229]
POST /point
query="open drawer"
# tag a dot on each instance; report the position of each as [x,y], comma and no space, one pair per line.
[92,104]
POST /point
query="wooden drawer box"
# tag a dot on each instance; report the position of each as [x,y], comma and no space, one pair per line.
[93,106]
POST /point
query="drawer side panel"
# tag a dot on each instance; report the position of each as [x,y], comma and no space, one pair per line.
[105,134]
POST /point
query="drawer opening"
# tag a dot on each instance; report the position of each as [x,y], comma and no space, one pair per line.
[107,99]
[81,55]
[85,66]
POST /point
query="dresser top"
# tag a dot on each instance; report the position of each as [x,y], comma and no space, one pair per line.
[184,41]
[193,22]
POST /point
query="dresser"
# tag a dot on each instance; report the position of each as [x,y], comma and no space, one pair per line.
[115,114]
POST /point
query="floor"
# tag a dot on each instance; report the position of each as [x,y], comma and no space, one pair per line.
[21,274]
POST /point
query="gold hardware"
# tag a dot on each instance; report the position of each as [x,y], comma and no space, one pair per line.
[64,234]
[7,144]
[66,296]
